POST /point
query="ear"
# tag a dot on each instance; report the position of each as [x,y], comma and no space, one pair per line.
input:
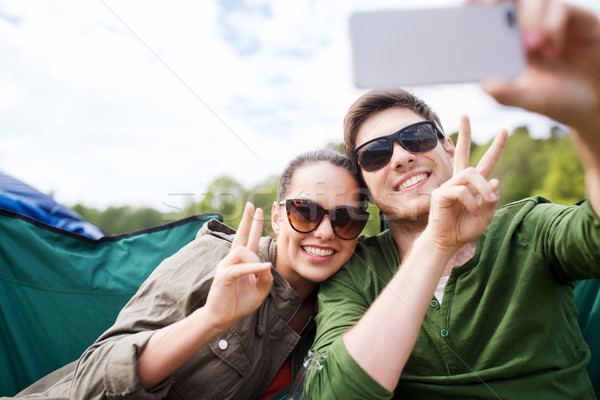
[449,146]
[365,190]
[275,215]
[363,187]
[369,198]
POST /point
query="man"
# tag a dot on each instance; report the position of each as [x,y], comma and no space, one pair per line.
[502,323]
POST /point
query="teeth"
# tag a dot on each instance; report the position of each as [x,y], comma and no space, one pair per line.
[317,252]
[412,181]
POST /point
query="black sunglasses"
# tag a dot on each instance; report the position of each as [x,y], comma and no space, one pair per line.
[305,216]
[415,138]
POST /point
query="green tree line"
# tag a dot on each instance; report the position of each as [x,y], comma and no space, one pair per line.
[528,167]
[549,167]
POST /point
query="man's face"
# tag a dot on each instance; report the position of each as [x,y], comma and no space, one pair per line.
[402,188]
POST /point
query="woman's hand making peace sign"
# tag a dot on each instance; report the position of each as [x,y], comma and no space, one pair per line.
[241,281]
[240,285]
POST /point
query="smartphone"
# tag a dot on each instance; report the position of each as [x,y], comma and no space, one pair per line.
[413,47]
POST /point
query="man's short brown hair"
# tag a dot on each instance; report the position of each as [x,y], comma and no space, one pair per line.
[379,100]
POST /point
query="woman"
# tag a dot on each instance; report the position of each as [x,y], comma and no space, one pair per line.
[229,316]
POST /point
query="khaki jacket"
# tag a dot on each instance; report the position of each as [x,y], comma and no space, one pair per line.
[239,364]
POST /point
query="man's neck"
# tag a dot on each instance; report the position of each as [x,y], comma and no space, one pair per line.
[463,255]
[405,233]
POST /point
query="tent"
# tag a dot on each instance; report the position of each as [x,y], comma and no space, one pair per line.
[19,197]
[63,282]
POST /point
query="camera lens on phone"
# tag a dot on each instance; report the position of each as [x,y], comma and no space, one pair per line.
[511,19]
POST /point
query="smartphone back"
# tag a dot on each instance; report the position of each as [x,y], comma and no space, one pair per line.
[436,45]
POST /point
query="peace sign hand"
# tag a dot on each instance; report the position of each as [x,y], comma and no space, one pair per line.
[463,207]
[241,281]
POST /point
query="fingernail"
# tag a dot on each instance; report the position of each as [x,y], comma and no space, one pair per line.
[492,196]
[550,50]
[531,38]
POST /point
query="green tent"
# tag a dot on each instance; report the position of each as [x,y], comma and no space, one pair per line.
[587,300]
[60,290]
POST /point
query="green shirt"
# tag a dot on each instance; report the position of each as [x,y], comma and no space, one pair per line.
[507,326]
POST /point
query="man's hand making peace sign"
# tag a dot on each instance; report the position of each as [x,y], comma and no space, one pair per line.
[463,207]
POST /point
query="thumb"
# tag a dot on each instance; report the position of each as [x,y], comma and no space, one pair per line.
[503,90]
[516,93]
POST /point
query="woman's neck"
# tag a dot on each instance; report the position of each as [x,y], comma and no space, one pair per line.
[302,286]
[306,290]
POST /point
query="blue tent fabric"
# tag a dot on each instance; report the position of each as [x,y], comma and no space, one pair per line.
[59,290]
[21,198]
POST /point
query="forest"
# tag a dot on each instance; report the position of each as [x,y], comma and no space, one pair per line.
[549,167]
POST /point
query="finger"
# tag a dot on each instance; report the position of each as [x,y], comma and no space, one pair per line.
[477,203]
[474,182]
[247,269]
[489,203]
[264,281]
[527,91]
[492,155]
[543,25]
[495,184]
[530,13]
[462,195]
[239,255]
[463,145]
[255,230]
[243,231]
[554,28]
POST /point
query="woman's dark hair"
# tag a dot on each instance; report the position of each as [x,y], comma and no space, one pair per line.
[313,157]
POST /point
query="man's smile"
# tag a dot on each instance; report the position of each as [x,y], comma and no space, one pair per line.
[412,181]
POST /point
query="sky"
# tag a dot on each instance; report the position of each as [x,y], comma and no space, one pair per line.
[145,103]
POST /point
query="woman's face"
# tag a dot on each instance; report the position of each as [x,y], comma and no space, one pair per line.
[317,255]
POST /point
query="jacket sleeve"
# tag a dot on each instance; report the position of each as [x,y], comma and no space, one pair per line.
[569,238]
[341,304]
[176,288]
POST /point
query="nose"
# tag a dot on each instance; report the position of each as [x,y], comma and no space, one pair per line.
[400,156]
[324,230]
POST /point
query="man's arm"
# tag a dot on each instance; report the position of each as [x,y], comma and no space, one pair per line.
[562,78]
[383,339]
[343,300]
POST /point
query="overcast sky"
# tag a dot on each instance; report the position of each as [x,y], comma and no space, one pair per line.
[144,103]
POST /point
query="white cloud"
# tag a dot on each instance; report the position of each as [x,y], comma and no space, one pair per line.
[140,102]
